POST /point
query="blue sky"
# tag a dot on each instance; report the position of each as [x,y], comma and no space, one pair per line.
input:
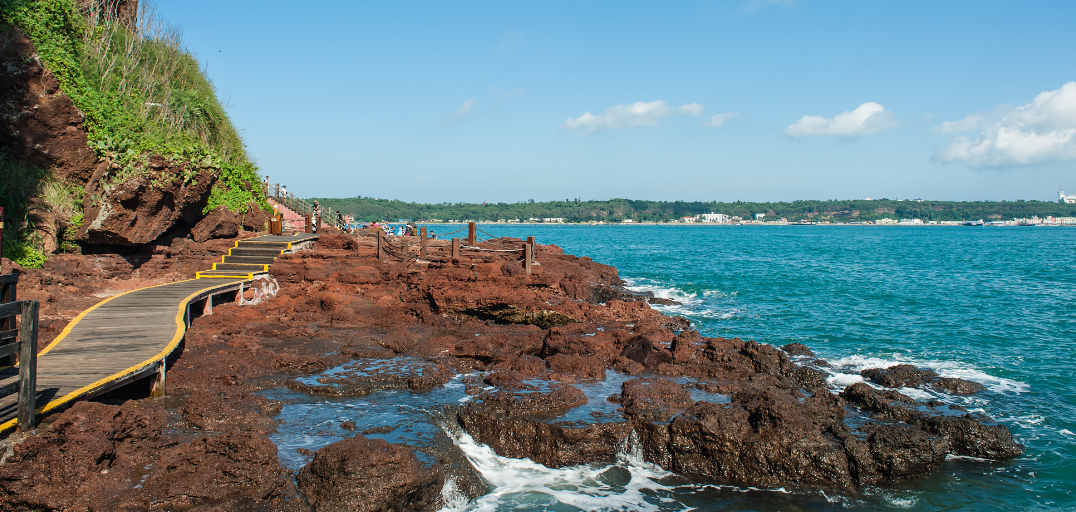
[709,100]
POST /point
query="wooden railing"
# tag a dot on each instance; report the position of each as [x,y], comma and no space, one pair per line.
[23,342]
[302,207]
[387,249]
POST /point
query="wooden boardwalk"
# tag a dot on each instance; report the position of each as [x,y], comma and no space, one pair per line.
[124,338]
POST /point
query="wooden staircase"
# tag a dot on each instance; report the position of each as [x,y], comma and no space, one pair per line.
[253,256]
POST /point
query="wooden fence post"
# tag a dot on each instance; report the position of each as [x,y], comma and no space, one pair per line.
[309,224]
[27,366]
[455,247]
[471,234]
[422,248]
[380,245]
[8,293]
[530,242]
[527,255]
[1,237]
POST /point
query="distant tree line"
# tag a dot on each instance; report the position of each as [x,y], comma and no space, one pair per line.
[616,210]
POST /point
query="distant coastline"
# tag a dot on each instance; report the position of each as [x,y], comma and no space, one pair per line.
[628,211]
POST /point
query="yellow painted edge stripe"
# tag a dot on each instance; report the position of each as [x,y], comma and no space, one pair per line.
[246,276]
[181,329]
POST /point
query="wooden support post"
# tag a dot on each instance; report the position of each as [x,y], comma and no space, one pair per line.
[530,242]
[157,389]
[527,255]
[471,234]
[239,295]
[1,234]
[422,248]
[455,247]
[380,245]
[27,366]
[8,294]
[309,224]
[207,308]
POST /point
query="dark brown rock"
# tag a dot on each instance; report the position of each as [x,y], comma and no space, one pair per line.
[360,474]
[219,223]
[899,376]
[654,399]
[38,122]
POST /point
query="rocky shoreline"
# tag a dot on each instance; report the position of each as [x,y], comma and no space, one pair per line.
[525,344]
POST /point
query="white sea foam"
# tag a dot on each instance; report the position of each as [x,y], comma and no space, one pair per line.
[1066,432]
[519,481]
[855,363]
[690,303]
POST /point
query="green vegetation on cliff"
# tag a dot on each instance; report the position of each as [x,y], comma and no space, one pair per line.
[616,210]
[141,93]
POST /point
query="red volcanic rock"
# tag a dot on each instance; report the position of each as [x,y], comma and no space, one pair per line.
[40,123]
[219,223]
[360,474]
[141,209]
[654,399]
[233,471]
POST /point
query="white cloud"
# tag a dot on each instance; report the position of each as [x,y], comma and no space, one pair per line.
[465,108]
[692,109]
[1041,131]
[629,115]
[866,119]
[717,120]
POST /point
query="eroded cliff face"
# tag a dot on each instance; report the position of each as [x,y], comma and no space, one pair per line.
[38,122]
[41,126]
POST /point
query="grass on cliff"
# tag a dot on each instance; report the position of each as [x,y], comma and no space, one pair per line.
[141,91]
[18,183]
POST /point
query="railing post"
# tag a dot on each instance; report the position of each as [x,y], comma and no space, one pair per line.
[309,224]
[530,242]
[471,234]
[527,255]
[27,366]
[380,245]
[8,294]
[422,247]
[157,389]
[455,247]
[1,237]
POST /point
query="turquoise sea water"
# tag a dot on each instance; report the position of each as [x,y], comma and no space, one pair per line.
[994,305]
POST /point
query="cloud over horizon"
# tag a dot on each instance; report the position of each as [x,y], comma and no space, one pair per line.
[717,120]
[629,115]
[868,118]
[1041,131]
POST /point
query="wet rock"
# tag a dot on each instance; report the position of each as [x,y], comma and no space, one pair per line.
[797,349]
[654,399]
[966,435]
[902,450]
[583,367]
[365,377]
[762,437]
[644,351]
[361,474]
[970,436]
[899,376]
[955,386]
[521,423]
[810,378]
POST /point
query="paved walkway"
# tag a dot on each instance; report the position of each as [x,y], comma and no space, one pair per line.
[126,337]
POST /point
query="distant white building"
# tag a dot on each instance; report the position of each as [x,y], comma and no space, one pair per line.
[1062,198]
[558,220]
[886,221]
[712,217]
[911,222]
[760,216]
